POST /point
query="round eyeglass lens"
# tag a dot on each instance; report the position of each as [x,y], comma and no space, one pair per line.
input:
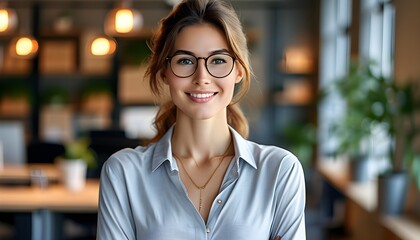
[218,65]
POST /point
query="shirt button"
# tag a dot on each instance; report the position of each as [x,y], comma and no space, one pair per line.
[208,230]
[219,201]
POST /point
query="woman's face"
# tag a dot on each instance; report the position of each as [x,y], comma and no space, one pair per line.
[201,95]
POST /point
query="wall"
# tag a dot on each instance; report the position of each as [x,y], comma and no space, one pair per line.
[407,38]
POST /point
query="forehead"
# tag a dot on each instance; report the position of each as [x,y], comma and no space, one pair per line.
[200,39]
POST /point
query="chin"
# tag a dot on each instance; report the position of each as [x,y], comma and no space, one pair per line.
[203,112]
[208,115]
[203,116]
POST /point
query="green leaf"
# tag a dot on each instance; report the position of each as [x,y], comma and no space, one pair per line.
[79,149]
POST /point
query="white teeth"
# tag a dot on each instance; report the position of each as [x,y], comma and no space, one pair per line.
[201,95]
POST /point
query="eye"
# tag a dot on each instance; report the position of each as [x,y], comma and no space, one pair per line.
[218,59]
[184,60]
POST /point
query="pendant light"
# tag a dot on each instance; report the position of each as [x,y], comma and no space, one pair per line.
[123,20]
[8,20]
[23,46]
[103,46]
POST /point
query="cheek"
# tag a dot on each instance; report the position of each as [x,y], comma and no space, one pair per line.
[174,83]
[228,86]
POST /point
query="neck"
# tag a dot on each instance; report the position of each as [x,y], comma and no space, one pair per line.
[201,140]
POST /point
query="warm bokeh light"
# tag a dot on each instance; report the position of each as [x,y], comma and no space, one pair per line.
[24,47]
[124,21]
[297,60]
[4,20]
[102,46]
[120,21]
[8,20]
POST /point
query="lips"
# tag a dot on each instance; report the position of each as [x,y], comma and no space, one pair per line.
[201,97]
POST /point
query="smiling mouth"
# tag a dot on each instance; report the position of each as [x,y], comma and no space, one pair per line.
[202,95]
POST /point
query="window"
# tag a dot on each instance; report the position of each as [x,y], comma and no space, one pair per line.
[334,61]
[377,34]
[376,40]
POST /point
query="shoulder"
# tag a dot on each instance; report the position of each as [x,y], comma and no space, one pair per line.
[263,156]
[273,155]
[275,162]
[128,161]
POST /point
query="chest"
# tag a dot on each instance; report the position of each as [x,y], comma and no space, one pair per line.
[202,185]
[235,211]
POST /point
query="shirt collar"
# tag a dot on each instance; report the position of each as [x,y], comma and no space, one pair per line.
[242,149]
[163,150]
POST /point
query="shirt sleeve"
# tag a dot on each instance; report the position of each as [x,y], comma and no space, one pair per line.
[289,219]
[115,220]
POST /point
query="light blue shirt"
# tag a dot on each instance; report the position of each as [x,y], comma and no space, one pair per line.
[142,196]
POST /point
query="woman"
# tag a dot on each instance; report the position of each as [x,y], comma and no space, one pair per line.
[200,178]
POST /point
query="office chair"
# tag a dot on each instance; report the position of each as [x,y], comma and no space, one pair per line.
[43,152]
[105,143]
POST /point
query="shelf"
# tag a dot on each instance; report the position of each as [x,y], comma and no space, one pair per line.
[364,196]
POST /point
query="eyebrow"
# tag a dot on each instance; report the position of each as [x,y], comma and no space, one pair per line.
[191,53]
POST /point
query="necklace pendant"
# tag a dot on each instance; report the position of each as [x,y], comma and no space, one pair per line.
[200,202]
[201,188]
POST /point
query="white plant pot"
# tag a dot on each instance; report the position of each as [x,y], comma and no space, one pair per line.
[74,174]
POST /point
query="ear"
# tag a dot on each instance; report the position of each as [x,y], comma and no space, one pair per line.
[164,78]
[240,72]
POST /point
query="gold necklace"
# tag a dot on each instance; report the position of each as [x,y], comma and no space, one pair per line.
[201,188]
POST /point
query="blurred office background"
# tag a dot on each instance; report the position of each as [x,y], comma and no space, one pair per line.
[66,88]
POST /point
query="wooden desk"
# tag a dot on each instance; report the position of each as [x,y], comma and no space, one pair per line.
[55,198]
[43,204]
[21,174]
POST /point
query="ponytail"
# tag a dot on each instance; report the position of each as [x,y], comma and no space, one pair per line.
[164,120]
[237,120]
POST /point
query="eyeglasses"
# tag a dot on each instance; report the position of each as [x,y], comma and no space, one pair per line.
[218,65]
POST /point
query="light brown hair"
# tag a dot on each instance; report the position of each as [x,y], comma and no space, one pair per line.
[190,12]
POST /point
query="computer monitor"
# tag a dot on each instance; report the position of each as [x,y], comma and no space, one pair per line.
[12,138]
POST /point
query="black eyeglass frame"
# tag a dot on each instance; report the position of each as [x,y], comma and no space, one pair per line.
[169,59]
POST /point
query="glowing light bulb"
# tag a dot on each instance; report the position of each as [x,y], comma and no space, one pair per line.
[4,20]
[102,46]
[8,20]
[24,46]
[124,21]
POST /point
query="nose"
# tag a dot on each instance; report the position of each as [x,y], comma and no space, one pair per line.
[201,75]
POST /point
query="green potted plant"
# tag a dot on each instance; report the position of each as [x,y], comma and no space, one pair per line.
[353,130]
[374,104]
[405,100]
[301,140]
[77,157]
[409,100]
[393,108]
